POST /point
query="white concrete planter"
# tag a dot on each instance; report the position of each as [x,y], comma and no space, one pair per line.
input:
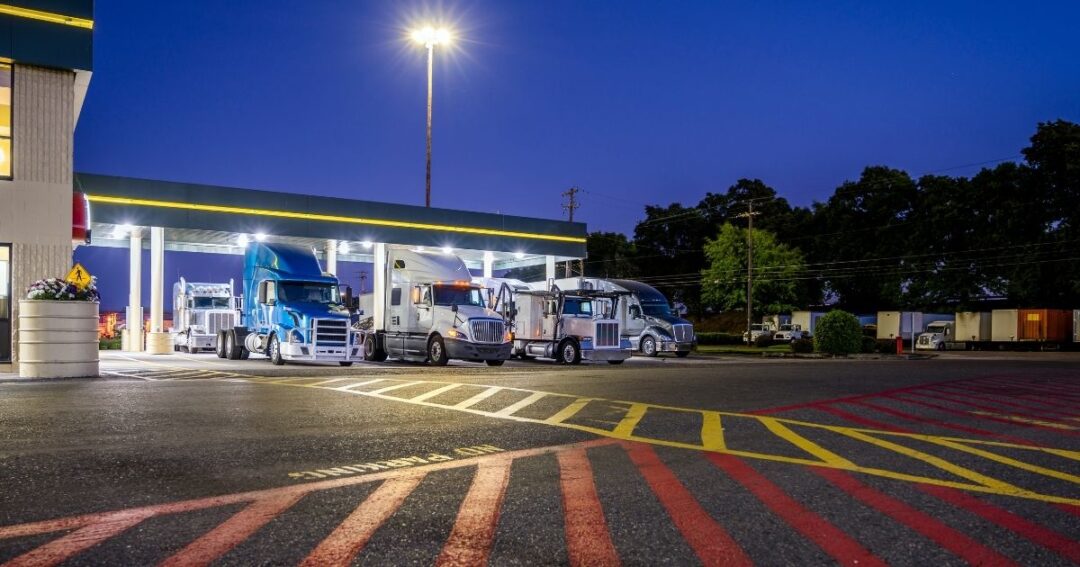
[58,339]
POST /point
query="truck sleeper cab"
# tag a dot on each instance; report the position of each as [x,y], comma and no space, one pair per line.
[293,311]
[433,313]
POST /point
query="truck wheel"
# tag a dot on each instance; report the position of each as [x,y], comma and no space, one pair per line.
[495,362]
[371,351]
[569,353]
[231,352]
[219,350]
[274,351]
[648,346]
[941,346]
[616,361]
[436,350]
[684,353]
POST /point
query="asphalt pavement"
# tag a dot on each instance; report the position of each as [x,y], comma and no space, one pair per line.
[188,459]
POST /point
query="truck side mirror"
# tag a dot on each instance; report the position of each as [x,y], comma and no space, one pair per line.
[453,308]
[349,299]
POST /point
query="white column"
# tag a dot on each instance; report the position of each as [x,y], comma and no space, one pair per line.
[550,267]
[157,341]
[378,287]
[331,256]
[133,335]
[489,264]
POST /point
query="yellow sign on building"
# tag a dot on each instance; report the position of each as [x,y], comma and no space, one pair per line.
[78,276]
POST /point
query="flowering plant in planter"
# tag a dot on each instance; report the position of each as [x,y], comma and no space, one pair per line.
[56,289]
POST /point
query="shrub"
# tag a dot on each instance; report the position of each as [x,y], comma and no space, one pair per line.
[869,345]
[763,341]
[109,344]
[838,332]
[718,339]
[802,346]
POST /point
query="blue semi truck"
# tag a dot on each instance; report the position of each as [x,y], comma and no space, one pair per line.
[292,310]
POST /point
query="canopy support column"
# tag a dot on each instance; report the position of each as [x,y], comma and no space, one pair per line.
[133,333]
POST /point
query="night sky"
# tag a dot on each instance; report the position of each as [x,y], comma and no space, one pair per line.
[634,101]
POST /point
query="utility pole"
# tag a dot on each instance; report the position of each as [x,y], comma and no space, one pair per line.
[569,206]
[749,214]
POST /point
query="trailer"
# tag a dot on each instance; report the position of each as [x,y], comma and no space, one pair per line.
[892,324]
[1032,328]
[1076,326]
[806,320]
[973,329]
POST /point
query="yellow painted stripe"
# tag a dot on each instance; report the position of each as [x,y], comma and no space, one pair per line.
[433,393]
[1021,419]
[478,398]
[519,405]
[569,411]
[936,462]
[43,16]
[1009,461]
[805,444]
[625,428]
[328,218]
[712,432]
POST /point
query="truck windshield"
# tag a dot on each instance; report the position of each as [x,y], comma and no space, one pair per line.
[447,295]
[785,327]
[308,292]
[210,302]
[936,329]
[576,306]
[656,309]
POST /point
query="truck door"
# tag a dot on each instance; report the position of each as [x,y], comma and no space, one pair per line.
[267,300]
[424,308]
[633,318]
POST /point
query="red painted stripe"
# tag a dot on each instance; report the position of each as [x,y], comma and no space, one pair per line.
[708,539]
[1065,546]
[1074,510]
[1029,402]
[1003,436]
[240,526]
[948,538]
[1042,413]
[61,549]
[588,542]
[350,537]
[474,531]
[816,403]
[953,400]
[936,422]
[828,537]
[866,422]
[1047,387]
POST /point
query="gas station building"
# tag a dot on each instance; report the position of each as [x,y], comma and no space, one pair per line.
[45,69]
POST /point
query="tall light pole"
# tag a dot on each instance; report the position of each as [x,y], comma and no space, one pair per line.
[430,37]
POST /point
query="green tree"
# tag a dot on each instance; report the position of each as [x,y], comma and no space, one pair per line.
[611,255]
[776,267]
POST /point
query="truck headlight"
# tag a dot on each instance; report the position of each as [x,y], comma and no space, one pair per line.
[508,337]
[456,334]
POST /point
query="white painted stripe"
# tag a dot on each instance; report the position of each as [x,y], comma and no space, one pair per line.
[433,393]
[394,387]
[516,406]
[347,388]
[478,398]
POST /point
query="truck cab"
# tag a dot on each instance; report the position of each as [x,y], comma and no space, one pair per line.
[567,326]
[935,336]
[200,311]
[433,313]
[293,311]
[788,332]
[757,330]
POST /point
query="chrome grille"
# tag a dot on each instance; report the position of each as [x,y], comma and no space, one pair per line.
[220,321]
[489,331]
[607,334]
[331,332]
[683,333]
[924,340]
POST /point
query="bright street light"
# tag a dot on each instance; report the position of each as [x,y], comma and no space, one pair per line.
[429,37]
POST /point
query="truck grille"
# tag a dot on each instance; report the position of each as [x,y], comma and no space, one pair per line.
[924,340]
[221,321]
[683,333]
[489,331]
[607,334]
[331,333]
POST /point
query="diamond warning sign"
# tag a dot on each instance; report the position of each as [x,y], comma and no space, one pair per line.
[78,276]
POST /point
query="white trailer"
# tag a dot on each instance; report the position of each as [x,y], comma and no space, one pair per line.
[1076,325]
[1003,327]
[972,328]
[806,320]
[892,324]
[200,311]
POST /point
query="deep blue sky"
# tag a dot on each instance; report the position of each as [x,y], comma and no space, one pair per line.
[649,102]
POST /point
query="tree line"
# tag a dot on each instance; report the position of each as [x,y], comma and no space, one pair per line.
[1006,236]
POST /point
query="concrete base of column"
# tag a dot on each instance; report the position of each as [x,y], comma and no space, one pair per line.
[131,340]
[159,343]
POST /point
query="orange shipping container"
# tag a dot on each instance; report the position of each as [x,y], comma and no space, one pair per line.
[1049,325]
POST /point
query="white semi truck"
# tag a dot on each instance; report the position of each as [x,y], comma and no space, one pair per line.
[645,317]
[200,311]
[935,336]
[432,313]
[565,325]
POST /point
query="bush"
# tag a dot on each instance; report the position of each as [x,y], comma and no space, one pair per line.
[763,341]
[802,346]
[838,332]
[109,344]
[869,345]
[718,339]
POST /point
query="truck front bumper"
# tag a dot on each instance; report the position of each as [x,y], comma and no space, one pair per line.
[465,350]
[605,354]
[196,340]
[303,352]
[674,346]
